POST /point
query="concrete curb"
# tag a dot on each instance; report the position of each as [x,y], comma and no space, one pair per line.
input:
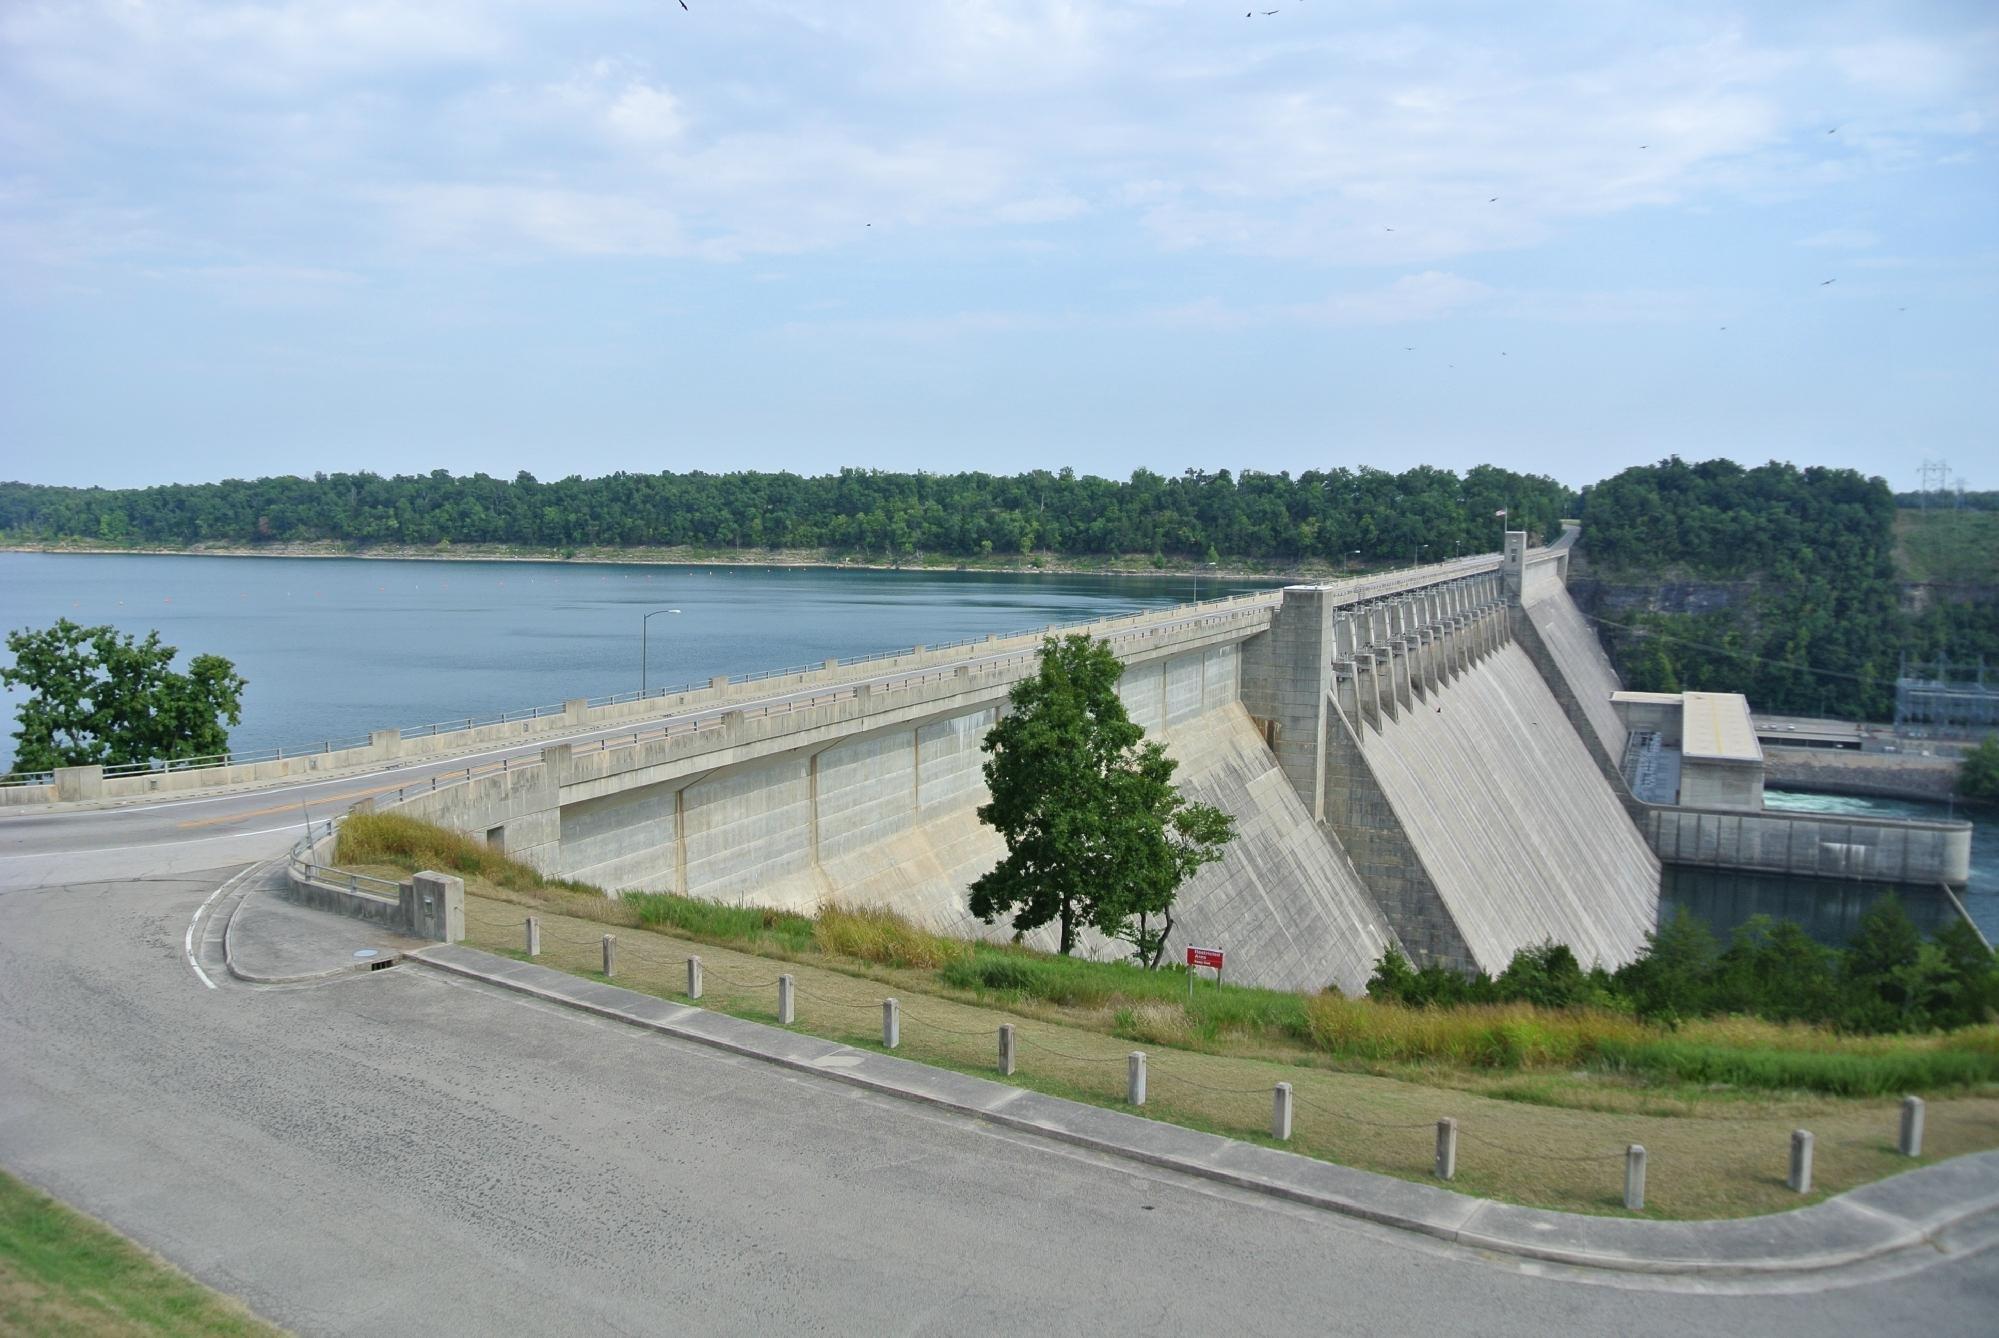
[255,978]
[1901,1213]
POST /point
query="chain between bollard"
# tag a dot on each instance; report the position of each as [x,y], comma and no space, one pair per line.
[1204,1087]
[908,1016]
[1618,1155]
[1064,1054]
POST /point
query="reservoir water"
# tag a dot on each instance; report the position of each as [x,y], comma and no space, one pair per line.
[335,647]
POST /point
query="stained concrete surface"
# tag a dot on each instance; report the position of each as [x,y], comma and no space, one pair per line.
[1522,836]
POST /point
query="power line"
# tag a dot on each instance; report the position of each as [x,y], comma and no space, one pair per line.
[1738,654]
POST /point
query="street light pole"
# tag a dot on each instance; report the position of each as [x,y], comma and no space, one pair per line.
[645,627]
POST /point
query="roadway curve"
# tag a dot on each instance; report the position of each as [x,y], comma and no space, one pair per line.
[403,1150]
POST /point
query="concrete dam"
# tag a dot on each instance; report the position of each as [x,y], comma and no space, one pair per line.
[1402,772]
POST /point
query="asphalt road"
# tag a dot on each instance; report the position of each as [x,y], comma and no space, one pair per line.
[400,1152]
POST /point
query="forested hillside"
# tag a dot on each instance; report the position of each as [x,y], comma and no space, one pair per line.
[1197,516]
[1776,581]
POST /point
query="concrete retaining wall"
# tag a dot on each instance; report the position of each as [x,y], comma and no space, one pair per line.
[1812,845]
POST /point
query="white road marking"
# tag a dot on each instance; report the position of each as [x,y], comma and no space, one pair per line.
[201,910]
[157,845]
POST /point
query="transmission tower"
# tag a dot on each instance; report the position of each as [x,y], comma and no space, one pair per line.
[1936,474]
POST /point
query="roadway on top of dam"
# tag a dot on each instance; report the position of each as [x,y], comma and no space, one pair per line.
[257,819]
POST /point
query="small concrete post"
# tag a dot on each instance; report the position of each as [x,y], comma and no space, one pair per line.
[1280,1112]
[891,1024]
[610,955]
[1801,1162]
[693,977]
[785,1009]
[436,906]
[534,937]
[1634,1177]
[1447,1148]
[1911,1144]
[1134,1078]
[1006,1049]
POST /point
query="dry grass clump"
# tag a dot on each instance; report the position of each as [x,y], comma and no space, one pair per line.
[413,845]
[883,937]
[1510,1036]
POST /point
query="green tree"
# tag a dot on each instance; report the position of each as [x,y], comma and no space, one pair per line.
[1674,976]
[1978,778]
[98,696]
[1096,834]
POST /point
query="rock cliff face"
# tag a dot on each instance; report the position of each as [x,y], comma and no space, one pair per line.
[1607,597]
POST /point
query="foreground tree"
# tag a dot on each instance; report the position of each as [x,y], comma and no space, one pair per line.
[1096,834]
[98,696]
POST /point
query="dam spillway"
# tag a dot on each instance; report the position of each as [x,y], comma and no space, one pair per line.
[1459,816]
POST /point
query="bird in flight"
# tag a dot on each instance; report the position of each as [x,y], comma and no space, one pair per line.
[1493,200]
[683,5]
[1823,284]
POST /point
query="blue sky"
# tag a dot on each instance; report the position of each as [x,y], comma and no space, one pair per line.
[590,235]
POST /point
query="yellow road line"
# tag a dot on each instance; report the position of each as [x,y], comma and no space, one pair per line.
[327,801]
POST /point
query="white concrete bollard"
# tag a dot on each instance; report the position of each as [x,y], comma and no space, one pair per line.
[1634,1177]
[1280,1112]
[534,937]
[693,977]
[785,1010]
[1911,1144]
[610,955]
[891,1024]
[1006,1049]
[1134,1084]
[1800,1179]
[1447,1148]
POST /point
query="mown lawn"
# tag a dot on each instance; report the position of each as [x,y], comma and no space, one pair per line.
[62,1273]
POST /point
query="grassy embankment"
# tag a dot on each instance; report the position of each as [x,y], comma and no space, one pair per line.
[1547,1099]
[62,1273]
[1947,547]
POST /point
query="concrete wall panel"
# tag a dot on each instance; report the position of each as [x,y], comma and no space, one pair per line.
[622,841]
[949,773]
[1143,691]
[747,827]
[1183,689]
[865,791]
